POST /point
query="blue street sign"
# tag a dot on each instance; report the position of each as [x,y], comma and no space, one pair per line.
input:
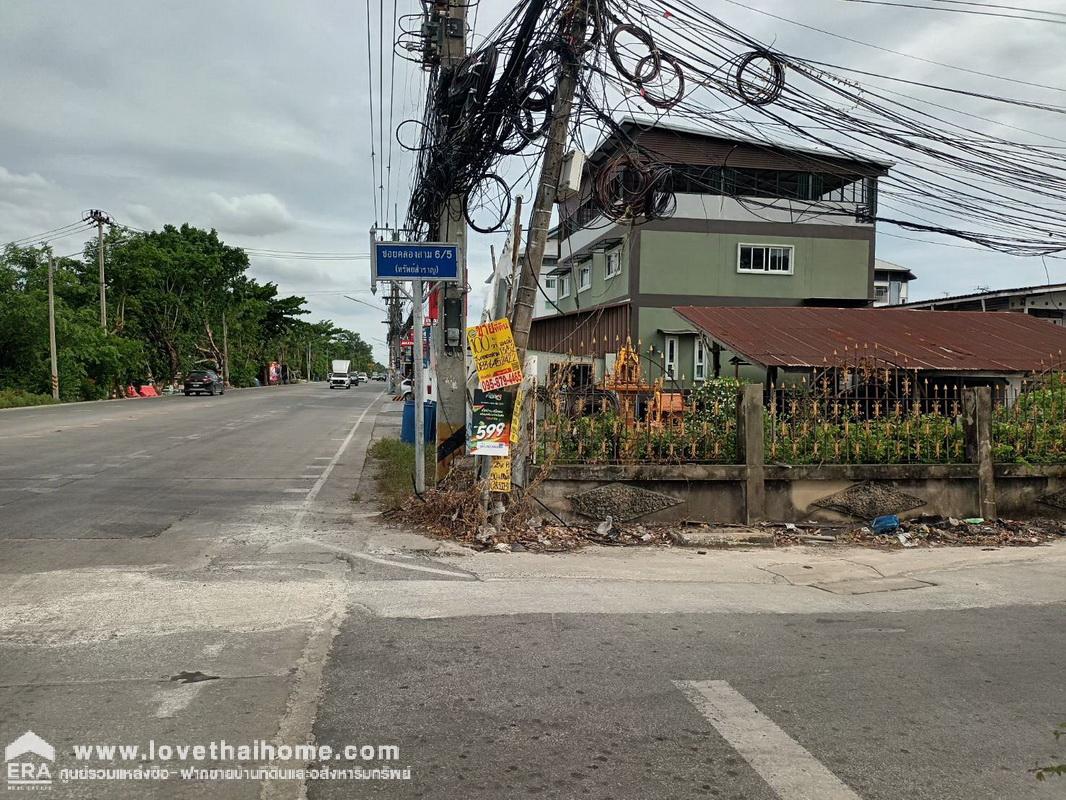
[415,261]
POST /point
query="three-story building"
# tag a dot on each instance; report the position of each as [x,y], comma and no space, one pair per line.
[755,223]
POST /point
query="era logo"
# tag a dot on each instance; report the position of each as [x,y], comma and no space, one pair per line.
[23,772]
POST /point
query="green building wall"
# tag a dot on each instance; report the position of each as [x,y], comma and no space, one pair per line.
[705,264]
[603,290]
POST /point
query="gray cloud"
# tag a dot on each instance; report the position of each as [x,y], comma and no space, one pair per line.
[251,214]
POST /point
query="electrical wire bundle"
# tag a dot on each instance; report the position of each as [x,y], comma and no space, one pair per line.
[948,177]
[497,102]
[676,61]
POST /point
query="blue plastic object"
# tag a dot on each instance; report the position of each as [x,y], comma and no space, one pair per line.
[407,423]
[889,523]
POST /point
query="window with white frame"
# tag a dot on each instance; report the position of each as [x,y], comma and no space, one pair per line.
[564,286]
[584,276]
[670,357]
[770,259]
[613,264]
[699,360]
[550,283]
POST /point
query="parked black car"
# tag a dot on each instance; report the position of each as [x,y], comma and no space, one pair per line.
[204,381]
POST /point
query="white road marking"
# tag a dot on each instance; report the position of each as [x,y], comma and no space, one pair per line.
[311,495]
[790,770]
[293,491]
[173,699]
[384,561]
[324,458]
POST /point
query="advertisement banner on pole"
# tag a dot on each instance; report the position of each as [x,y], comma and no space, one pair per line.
[489,433]
[500,475]
[495,355]
[516,416]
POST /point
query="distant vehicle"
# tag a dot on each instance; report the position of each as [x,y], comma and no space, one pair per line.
[407,389]
[338,377]
[357,378]
[378,376]
[363,377]
[204,381]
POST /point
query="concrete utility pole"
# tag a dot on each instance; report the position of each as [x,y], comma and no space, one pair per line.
[52,327]
[395,326]
[225,350]
[449,352]
[575,30]
[101,218]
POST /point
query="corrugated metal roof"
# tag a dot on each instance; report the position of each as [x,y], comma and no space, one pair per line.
[957,341]
[1042,288]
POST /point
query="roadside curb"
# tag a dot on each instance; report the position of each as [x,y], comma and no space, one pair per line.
[722,538]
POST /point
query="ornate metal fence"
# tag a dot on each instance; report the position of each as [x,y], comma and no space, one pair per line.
[1029,420]
[595,426]
[865,412]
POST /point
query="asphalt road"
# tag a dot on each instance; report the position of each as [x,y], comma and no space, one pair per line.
[189,570]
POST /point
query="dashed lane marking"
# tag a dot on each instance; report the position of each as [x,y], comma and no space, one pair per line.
[311,495]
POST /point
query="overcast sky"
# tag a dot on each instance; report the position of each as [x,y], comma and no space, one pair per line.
[253,117]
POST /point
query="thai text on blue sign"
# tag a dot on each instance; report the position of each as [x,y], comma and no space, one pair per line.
[415,261]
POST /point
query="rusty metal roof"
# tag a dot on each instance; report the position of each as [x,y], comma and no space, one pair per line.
[956,341]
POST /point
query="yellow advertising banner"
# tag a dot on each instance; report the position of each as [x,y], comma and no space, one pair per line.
[500,475]
[516,417]
[495,356]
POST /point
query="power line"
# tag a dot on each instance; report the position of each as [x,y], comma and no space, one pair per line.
[891,51]
[63,230]
[381,99]
[996,5]
[392,106]
[370,85]
[962,11]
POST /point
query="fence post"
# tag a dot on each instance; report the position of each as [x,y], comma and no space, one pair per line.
[750,450]
[977,425]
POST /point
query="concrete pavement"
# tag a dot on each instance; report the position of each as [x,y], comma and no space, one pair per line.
[186,570]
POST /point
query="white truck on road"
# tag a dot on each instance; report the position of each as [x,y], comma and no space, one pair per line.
[339,377]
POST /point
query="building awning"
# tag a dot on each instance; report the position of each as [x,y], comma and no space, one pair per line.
[953,341]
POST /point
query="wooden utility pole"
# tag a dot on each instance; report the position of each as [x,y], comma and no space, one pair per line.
[449,349]
[52,327]
[101,218]
[575,30]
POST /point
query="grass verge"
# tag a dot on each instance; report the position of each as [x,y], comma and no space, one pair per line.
[17,398]
[394,469]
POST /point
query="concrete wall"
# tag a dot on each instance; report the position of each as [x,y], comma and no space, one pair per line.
[716,493]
